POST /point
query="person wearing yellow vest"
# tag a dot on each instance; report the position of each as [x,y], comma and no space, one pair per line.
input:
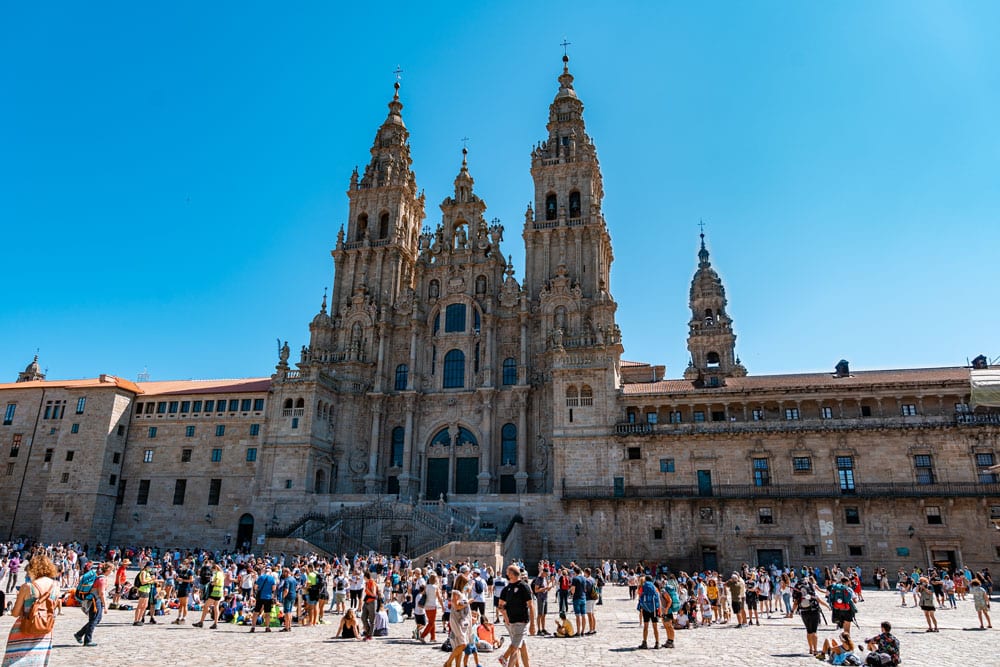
[215,590]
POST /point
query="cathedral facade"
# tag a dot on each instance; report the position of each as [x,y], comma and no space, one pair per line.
[435,380]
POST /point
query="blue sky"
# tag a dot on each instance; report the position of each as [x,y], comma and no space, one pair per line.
[172,177]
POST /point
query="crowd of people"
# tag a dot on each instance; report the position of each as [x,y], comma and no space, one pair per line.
[461,601]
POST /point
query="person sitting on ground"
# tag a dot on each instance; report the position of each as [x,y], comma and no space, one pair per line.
[348,628]
[563,627]
[884,648]
[837,652]
[487,636]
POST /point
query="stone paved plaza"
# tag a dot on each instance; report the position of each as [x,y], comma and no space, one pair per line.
[778,641]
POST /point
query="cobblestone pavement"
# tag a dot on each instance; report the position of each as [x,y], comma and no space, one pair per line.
[778,641]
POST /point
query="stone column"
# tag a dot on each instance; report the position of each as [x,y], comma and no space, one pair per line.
[486,443]
[373,479]
[413,353]
[453,439]
[407,490]
[521,476]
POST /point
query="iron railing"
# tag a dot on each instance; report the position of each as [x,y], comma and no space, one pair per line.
[751,491]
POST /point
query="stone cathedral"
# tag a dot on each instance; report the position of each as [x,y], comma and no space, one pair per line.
[440,400]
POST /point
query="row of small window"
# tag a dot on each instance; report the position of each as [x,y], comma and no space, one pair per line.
[180,492]
[54,409]
[216,456]
[922,463]
[454,370]
[194,407]
[220,430]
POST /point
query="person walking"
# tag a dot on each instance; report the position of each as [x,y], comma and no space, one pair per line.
[982,602]
[928,603]
[517,607]
[94,605]
[370,602]
[808,604]
[216,587]
[264,599]
[648,607]
[25,648]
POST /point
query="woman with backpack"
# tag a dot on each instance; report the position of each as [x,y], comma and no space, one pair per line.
[30,640]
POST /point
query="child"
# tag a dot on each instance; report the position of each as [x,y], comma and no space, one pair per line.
[681,621]
[418,614]
[706,612]
[564,628]
[472,648]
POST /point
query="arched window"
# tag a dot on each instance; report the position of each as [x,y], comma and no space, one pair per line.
[510,370]
[465,437]
[300,403]
[288,404]
[586,395]
[362,227]
[402,376]
[481,285]
[319,486]
[396,451]
[551,206]
[383,226]
[442,438]
[712,358]
[434,289]
[508,445]
[572,396]
[454,369]
[454,318]
[574,204]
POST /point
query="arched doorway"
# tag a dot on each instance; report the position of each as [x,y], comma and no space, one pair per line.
[244,533]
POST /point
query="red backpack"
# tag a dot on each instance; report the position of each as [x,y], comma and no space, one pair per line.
[41,618]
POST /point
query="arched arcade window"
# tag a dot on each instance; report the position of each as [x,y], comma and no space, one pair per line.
[362,228]
[454,369]
[574,204]
[508,445]
[402,376]
[396,451]
[551,206]
[383,226]
[510,370]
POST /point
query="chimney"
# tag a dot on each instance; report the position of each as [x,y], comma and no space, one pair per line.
[843,369]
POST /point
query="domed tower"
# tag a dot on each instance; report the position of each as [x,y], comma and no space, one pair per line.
[711,340]
[33,372]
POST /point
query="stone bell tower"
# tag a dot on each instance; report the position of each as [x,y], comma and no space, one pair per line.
[711,340]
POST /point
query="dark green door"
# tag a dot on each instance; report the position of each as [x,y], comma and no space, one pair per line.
[466,475]
[769,557]
[704,482]
[437,478]
[619,487]
[709,559]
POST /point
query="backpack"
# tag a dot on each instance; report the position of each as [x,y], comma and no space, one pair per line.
[137,581]
[41,618]
[479,587]
[563,583]
[808,599]
[591,590]
[839,598]
[84,589]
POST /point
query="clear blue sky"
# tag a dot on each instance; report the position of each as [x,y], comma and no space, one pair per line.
[172,176]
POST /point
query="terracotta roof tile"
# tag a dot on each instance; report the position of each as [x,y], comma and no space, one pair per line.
[238,386]
[808,381]
[102,381]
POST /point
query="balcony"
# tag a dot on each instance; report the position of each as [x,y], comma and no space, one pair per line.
[293,412]
[971,419]
[750,491]
[785,425]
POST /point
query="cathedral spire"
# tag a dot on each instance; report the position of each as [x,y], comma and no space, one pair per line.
[711,340]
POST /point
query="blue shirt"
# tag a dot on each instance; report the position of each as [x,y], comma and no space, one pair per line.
[288,588]
[265,587]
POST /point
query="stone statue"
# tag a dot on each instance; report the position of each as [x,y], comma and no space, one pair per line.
[461,240]
[283,353]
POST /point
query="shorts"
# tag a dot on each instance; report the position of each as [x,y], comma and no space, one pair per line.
[339,597]
[580,607]
[668,616]
[183,592]
[649,616]
[929,607]
[590,606]
[842,616]
[752,604]
[420,619]
[263,605]
[810,618]
[516,632]
[287,606]
[215,597]
[541,604]
[737,606]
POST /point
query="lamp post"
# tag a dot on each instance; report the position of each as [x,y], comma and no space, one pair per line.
[910,531]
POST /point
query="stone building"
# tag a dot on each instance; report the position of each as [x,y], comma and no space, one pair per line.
[439,397]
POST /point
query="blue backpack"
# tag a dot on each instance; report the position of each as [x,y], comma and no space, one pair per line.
[85,587]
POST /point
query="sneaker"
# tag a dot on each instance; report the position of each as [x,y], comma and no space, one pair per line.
[656,645]
[214,626]
[152,621]
[137,623]
[643,645]
[199,624]
[668,644]
[252,629]
[89,644]
[78,638]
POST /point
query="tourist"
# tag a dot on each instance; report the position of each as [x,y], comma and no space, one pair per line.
[670,605]
[370,601]
[842,604]
[264,599]
[808,604]
[592,596]
[13,567]
[348,628]
[737,589]
[41,587]
[287,594]
[884,648]
[517,607]
[216,588]
[540,586]
[927,603]
[460,620]
[578,591]
[498,585]
[432,595]
[837,652]
[145,579]
[184,580]
[94,604]
[982,603]
[477,592]
[648,607]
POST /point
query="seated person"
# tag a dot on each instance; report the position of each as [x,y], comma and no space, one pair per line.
[837,653]
[487,636]
[563,627]
[381,628]
[681,620]
[706,612]
[348,628]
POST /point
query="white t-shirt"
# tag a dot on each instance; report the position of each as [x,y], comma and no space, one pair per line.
[431,593]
